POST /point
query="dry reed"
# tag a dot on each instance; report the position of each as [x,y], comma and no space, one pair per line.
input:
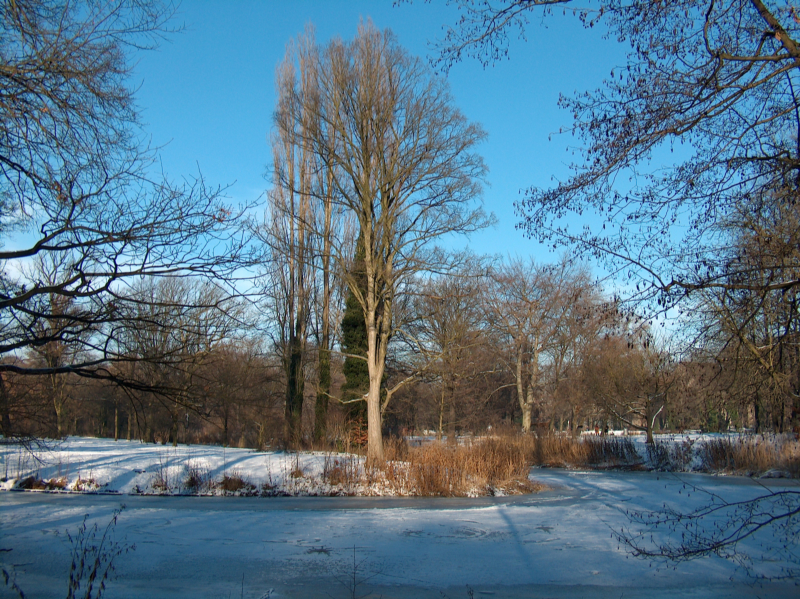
[483,467]
[755,455]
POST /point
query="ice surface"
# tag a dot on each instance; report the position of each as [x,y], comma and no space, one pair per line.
[554,544]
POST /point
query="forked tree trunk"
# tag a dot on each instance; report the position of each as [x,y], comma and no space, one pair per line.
[526,417]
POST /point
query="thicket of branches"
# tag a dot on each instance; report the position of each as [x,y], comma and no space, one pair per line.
[115,275]
[711,235]
[121,312]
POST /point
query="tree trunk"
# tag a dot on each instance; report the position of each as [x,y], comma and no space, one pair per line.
[649,431]
[376,364]
[451,424]
[59,408]
[520,388]
[440,430]
[323,392]
[526,417]
[530,396]
[173,429]
[294,394]
[374,433]
[5,409]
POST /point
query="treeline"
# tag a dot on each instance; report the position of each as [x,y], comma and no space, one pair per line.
[512,345]
[134,306]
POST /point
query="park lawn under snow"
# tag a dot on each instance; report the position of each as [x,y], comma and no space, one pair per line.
[131,467]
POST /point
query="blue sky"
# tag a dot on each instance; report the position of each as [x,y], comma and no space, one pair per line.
[207,94]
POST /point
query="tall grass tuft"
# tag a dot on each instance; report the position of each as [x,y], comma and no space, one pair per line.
[93,555]
[752,455]
[482,467]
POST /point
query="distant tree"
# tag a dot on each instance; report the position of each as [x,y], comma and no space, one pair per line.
[53,355]
[179,326]
[450,329]
[236,382]
[529,307]
[629,378]
[402,157]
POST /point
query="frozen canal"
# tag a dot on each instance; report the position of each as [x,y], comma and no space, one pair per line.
[555,544]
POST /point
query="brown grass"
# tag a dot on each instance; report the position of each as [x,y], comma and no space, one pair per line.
[569,452]
[197,478]
[33,483]
[342,471]
[484,467]
[751,455]
[234,482]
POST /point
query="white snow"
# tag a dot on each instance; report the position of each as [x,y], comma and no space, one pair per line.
[132,467]
[558,543]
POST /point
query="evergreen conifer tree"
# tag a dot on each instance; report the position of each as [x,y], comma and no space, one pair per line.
[354,341]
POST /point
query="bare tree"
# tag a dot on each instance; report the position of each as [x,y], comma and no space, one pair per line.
[529,306]
[77,184]
[179,325]
[237,382]
[403,164]
[290,232]
[629,378]
[753,328]
[54,354]
[450,328]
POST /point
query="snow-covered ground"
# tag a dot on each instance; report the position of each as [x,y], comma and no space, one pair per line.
[132,467]
[558,543]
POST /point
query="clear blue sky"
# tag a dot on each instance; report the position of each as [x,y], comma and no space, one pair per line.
[207,94]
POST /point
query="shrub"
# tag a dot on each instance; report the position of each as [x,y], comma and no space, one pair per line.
[197,478]
[234,482]
[86,484]
[161,480]
[32,483]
